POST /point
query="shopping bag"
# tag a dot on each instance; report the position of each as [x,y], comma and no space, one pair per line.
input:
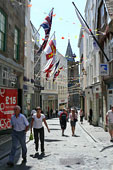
[31,136]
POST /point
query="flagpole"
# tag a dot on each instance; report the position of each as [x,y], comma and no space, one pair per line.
[91,32]
[37,31]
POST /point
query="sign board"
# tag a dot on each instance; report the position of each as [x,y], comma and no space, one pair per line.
[8,99]
[104,69]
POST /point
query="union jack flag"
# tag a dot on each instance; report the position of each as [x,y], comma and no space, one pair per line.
[47,28]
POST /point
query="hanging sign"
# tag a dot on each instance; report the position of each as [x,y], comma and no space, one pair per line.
[8,99]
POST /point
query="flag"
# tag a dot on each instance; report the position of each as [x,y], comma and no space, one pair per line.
[82,23]
[57,73]
[55,67]
[47,28]
[82,20]
[50,49]
[49,62]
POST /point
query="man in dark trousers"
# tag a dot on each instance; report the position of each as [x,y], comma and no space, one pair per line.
[20,126]
[63,120]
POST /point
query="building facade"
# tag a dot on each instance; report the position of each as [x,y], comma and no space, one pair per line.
[28,86]
[73,78]
[12,24]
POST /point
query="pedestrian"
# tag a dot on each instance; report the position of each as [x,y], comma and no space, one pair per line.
[63,120]
[73,120]
[109,122]
[90,116]
[20,126]
[81,116]
[38,128]
[33,112]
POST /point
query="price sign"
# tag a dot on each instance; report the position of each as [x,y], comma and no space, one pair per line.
[8,99]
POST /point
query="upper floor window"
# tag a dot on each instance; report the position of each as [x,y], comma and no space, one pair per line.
[16,44]
[102,15]
[2,31]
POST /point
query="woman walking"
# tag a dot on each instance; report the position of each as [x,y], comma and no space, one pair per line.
[81,116]
[73,120]
[38,128]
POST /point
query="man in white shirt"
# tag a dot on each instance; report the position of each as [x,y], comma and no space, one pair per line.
[20,126]
[109,122]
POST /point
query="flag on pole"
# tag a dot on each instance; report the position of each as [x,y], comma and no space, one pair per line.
[82,23]
[57,73]
[54,69]
[50,49]
[82,20]
[47,28]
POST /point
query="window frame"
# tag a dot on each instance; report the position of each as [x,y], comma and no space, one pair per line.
[17,45]
[3,33]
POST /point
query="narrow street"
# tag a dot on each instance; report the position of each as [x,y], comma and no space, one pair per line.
[90,149]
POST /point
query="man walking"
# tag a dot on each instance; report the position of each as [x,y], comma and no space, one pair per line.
[63,120]
[20,126]
[109,122]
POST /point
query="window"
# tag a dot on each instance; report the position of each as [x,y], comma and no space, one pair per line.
[16,44]
[2,31]
[102,15]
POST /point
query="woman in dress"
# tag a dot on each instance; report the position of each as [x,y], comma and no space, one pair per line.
[38,128]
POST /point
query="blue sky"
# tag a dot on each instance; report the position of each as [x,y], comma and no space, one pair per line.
[65,23]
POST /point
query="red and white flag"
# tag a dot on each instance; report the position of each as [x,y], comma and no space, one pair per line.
[50,49]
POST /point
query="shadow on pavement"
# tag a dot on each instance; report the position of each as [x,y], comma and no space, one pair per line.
[65,136]
[52,140]
[75,136]
[21,166]
[55,129]
[39,156]
[52,124]
[107,147]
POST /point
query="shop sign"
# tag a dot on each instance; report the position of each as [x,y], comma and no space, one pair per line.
[8,99]
[104,69]
[9,76]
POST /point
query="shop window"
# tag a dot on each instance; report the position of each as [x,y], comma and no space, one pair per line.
[2,31]
[16,44]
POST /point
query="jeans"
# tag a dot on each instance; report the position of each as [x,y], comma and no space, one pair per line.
[39,133]
[18,137]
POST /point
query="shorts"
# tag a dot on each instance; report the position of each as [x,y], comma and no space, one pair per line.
[110,126]
[73,123]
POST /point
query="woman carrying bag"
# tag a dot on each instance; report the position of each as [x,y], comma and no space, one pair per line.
[38,128]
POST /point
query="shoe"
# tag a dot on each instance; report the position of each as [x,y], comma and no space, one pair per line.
[43,153]
[10,164]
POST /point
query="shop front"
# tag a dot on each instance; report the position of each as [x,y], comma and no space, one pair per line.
[49,104]
[11,76]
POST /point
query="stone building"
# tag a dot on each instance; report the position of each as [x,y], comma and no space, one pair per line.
[73,78]
[12,29]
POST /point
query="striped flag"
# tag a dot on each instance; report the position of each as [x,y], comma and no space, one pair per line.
[55,67]
[57,73]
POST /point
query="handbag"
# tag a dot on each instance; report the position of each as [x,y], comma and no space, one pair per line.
[31,136]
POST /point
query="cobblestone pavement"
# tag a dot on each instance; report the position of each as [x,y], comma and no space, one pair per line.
[90,149]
